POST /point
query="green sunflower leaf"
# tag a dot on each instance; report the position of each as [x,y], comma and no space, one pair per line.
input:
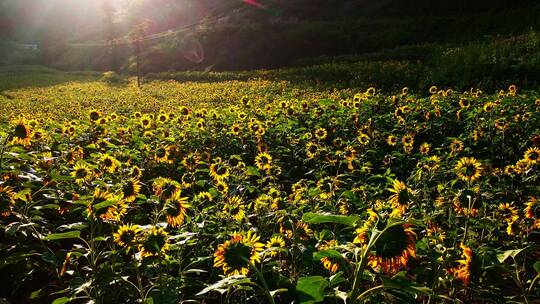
[311,289]
[222,285]
[509,253]
[64,235]
[317,218]
[536,266]
[62,300]
[326,254]
[400,282]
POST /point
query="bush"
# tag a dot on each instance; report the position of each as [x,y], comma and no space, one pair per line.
[112,78]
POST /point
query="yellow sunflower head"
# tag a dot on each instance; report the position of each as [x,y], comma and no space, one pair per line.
[321,133]
[330,264]
[154,242]
[312,150]
[176,209]
[236,255]
[235,208]
[219,171]
[469,169]
[127,236]
[22,133]
[131,189]
[401,196]
[532,155]
[392,140]
[82,173]
[94,115]
[263,161]
[117,209]
[424,148]
[7,200]
[275,245]
[109,163]
[395,246]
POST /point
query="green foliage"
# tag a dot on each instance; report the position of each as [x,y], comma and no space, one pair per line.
[265,191]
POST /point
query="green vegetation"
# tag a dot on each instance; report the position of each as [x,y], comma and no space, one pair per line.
[267,192]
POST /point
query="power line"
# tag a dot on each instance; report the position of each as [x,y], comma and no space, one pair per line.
[125,39]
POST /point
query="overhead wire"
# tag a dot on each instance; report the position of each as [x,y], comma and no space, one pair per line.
[125,40]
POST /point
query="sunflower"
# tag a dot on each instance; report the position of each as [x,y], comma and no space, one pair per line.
[162,118]
[109,163]
[145,122]
[191,161]
[402,195]
[302,230]
[508,212]
[330,264]
[456,146]
[127,236]
[522,166]
[312,150]
[321,133]
[512,226]
[363,139]
[408,140]
[235,208]
[222,187]
[219,171]
[362,232]
[116,211]
[82,173]
[489,106]
[136,172]
[165,187]
[184,111]
[176,209]
[391,140]
[464,103]
[424,148]
[435,232]
[94,207]
[7,200]
[263,201]
[94,115]
[188,179]
[532,155]
[162,154]
[469,169]
[22,133]
[155,242]
[393,249]
[237,254]
[463,270]
[432,163]
[263,161]
[131,189]
[204,197]
[275,245]
[235,129]
[532,211]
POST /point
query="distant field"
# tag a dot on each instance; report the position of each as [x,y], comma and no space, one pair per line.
[265,191]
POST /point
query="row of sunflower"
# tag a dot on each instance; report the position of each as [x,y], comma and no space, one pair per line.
[316,197]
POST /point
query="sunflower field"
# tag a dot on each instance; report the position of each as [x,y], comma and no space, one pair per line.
[264,192]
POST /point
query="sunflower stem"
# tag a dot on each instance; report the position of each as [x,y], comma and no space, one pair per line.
[263,281]
[367,292]
[3,150]
[362,265]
